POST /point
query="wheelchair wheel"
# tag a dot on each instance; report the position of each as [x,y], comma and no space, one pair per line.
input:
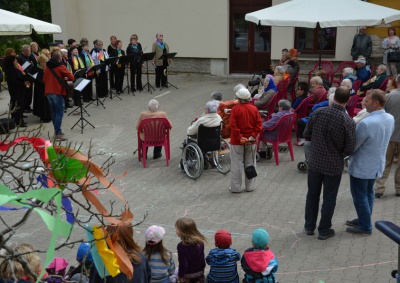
[193,161]
[222,158]
[302,166]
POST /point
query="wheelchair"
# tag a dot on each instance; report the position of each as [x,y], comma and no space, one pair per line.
[302,166]
[209,149]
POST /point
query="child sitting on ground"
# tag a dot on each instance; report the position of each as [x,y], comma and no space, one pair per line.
[222,260]
[11,268]
[84,257]
[258,262]
[159,258]
[190,251]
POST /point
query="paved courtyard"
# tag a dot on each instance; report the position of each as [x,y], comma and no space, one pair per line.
[166,194]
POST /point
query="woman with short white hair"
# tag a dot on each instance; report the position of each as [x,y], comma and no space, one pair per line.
[152,113]
[348,74]
[317,90]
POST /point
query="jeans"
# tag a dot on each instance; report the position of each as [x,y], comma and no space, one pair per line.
[57,105]
[330,191]
[362,191]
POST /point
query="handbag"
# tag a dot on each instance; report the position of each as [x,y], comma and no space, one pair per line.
[393,56]
[250,171]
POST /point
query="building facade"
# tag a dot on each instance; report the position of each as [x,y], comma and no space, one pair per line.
[209,36]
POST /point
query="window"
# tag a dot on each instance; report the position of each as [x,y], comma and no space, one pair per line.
[307,40]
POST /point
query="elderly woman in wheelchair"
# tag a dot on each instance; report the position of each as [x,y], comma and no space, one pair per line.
[204,145]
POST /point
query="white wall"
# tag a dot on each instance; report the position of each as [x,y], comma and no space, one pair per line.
[283,37]
[191,28]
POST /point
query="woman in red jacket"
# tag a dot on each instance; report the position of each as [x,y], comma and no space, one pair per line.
[55,91]
[246,125]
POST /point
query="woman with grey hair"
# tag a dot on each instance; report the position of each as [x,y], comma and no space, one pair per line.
[217,97]
[348,84]
[278,74]
[245,125]
[284,109]
[317,91]
[269,91]
[348,74]
[152,113]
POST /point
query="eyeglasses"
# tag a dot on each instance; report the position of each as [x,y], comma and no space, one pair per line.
[160,35]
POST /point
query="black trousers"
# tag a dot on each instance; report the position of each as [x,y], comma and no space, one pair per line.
[136,70]
[28,97]
[119,78]
[301,125]
[17,100]
[101,84]
[157,150]
[161,80]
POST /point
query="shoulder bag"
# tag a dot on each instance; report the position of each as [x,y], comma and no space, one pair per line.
[67,85]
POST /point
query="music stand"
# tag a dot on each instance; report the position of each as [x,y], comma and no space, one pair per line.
[81,73]
[79,85]
[147,57]
[95,68]
[109,62]
[167,56]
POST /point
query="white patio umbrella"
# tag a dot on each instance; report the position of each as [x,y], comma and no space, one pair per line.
[16,24]
[328,13]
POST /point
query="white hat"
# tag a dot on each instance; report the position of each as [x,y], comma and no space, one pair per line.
[361,59]
[243,93]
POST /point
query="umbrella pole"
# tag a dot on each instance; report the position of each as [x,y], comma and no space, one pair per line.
[320,48]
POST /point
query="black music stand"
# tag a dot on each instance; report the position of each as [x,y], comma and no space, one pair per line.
[147,57]
[81,73]
[95,68]
[109,62]
[81,119]
[167,56]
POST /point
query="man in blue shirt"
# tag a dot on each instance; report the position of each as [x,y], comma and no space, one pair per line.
[368,161]
[363,70]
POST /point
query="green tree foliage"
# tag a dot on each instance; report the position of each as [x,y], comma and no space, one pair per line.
[38,9]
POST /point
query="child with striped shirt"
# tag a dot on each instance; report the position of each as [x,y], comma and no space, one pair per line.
[159,258]
[222,260]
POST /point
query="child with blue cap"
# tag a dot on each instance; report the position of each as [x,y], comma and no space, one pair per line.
[259,262]
[84,257]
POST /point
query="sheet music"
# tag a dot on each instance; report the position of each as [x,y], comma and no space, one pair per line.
[33,76]
[26,65]
[81,84]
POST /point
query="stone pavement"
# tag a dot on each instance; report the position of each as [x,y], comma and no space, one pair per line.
[166,194]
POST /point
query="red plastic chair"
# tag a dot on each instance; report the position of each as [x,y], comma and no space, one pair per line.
[339,71]
[156,133]
[293,85]
[327,66]
[282,89]
[383,85]
[301,111]
[351,105]
[356,85]
[284,135]
[270,107]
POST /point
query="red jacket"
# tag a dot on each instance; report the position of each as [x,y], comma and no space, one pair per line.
[51,84]
[245,121]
